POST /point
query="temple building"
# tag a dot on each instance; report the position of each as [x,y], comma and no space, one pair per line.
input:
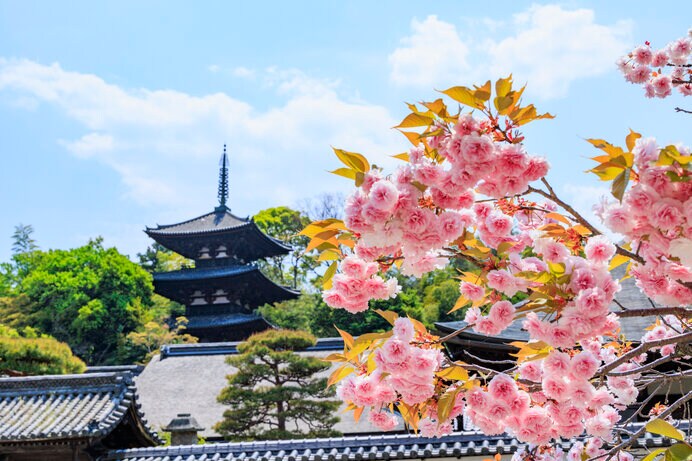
[225,286]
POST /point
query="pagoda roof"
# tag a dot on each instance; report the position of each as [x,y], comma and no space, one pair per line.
[221,219]
[253,287]
[242,236]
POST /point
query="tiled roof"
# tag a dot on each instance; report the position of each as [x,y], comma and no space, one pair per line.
[204,273]
[52,408]
[381,447]
[214,221]
[230,348]
[224,320]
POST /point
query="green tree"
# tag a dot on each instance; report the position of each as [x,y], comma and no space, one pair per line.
[157,258]
[284,224]
[90,297]
[26,352]
[22,242]
[274,393]
[143,344]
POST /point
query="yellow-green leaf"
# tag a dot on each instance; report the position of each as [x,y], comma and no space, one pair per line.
[339,374]
[345,172]
[463,95]
[414,120]
[664,428]
[617,189]
[651,456]
[389,316]
[403,156]
[328,275]
[631,139]
[348,339]
[503,86]
[483,92]
[679,452]
[352,160]
[617,261]
[453,373]
[446,403]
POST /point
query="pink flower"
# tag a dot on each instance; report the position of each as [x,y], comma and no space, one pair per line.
[403,329]
[476,149]
[503,282]
[551,250]
[502,313]
[503,388]
[583,365]
[599,249]
[531,371]
[557,363]
[466,125]
[643,54]
[666,214]
[450,225]
[384,195]
[395,351]
[383,421]
[659,58]
[663,85]
[499,224]
[471,291]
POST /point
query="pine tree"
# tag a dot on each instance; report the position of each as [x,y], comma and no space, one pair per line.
[275,394]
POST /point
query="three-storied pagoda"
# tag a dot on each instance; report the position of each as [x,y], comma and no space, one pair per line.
[222,290]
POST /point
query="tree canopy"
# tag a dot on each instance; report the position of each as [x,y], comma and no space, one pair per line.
[26,352]
[91,297]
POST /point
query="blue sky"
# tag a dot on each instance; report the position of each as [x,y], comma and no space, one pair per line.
[114,113]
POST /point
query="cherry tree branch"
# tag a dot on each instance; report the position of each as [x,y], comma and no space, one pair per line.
[681,311]
[683,338]
[635,436]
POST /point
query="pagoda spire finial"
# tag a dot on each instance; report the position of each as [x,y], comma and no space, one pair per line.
[223,179]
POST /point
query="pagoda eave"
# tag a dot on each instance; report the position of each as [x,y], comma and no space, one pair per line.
[246,283]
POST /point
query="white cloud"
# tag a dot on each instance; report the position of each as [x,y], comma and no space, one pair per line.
[213,68]
[165,144]
[433,53]
[554,47]
[548,46]
[89,145]
[243,72]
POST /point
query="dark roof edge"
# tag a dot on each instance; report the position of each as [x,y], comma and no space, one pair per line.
[231,348]
[165,226]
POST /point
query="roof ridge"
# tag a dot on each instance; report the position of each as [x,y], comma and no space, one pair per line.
[214,212]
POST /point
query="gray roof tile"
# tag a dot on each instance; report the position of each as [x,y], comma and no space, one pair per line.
[379,447]
[66,406]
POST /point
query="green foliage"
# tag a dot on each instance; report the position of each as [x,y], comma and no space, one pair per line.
[158,258]
[26,352]
[284,224]
[143,344]
[22,242]
[90,297]
[274,393]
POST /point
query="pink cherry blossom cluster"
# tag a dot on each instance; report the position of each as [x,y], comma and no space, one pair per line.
[590,289]
[428,203]
[405,373]
[646,66]
[357,284]
[567,405]
[656,217]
